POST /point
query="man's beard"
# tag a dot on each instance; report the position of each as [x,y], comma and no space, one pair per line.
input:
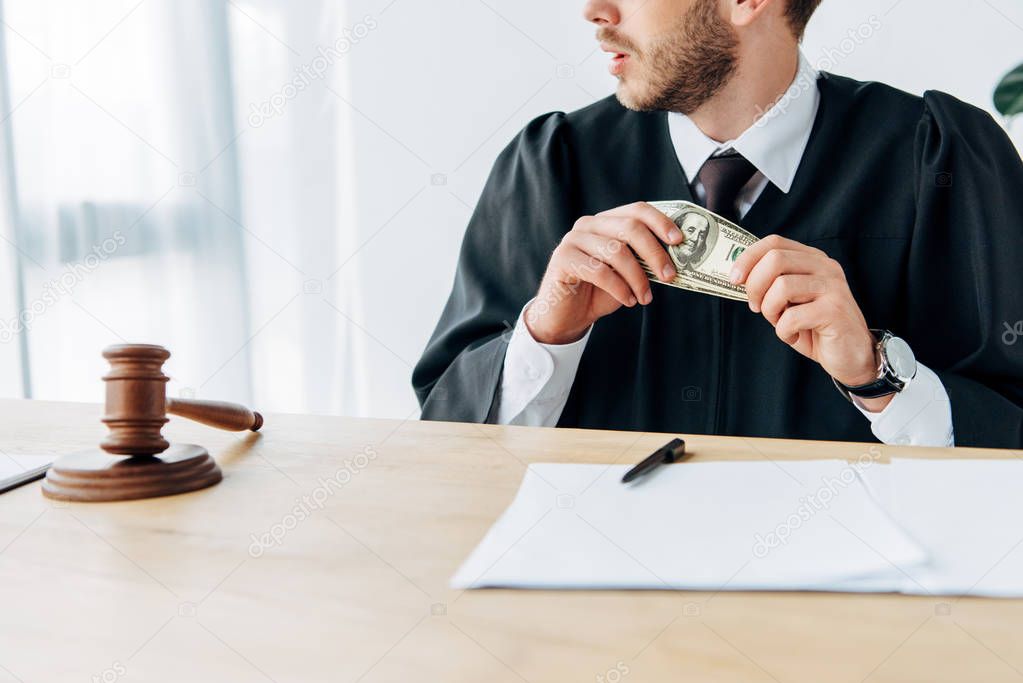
[686,68]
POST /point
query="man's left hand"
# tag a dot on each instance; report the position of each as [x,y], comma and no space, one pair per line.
[803,293]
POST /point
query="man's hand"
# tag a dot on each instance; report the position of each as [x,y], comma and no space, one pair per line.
[804,294]
[593,272]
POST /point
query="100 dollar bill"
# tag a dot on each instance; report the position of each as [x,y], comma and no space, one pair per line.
[705,258]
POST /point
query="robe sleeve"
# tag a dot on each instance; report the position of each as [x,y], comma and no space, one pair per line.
[965,277]
[524,211]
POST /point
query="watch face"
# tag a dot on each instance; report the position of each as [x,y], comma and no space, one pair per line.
[900,359]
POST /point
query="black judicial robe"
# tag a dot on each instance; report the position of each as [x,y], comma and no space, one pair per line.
[919,198]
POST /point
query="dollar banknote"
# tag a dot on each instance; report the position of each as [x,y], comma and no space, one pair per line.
[704,260]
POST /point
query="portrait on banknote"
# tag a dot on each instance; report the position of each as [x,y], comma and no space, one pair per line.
[701,234]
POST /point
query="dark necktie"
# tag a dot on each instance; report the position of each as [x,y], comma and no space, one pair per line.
[722,178]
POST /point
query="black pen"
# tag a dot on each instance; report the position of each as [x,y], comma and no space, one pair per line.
[670,452]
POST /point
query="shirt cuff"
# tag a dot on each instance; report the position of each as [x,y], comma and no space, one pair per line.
[919,415]
[537,378]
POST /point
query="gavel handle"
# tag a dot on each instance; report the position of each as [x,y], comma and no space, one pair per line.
[219,414]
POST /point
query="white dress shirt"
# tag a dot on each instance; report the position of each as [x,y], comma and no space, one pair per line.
[538,377]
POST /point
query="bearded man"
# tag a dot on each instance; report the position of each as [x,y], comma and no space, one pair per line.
[892,231]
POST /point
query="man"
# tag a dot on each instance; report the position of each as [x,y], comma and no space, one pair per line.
[892,231]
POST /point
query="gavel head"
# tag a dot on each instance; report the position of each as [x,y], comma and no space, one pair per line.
[136,404]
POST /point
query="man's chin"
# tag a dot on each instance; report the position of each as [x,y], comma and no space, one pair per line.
[646,98]
[630,99]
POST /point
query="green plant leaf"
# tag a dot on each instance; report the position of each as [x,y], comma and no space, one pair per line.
[1009,93]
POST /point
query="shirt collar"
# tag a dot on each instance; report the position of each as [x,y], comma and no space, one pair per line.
[774,144]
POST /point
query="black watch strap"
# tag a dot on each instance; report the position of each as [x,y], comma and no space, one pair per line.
[876,389]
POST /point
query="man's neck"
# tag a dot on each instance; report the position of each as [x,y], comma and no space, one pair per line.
[755,87]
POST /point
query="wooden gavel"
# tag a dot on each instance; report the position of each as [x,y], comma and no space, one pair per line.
[137,404]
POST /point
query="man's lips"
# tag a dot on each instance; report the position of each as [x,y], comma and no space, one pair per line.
[611,49]
[618,59]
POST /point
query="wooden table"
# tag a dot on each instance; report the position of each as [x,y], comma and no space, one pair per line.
[355,587]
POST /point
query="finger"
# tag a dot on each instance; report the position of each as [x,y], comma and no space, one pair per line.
[638,235]
[804,317]
[580,266]
[616,254]
[778,262]
[659,224]
[749,258]
[789,290]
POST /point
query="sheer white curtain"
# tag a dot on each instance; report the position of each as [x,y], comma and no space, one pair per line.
[125,192]
[295,147]
[144,202]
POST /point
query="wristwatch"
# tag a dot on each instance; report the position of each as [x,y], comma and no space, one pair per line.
[896,366]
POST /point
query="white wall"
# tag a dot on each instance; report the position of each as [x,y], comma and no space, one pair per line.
[958,47]
[443,86]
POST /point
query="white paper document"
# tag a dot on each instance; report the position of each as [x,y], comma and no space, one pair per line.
[809,525]
[968,514]
[925,527]
[17,469]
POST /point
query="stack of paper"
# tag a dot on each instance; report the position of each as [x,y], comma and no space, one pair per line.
[929,527]
[17,469]
[706,526]
[968,514]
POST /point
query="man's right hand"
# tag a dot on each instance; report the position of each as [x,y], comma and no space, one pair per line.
[592,272]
